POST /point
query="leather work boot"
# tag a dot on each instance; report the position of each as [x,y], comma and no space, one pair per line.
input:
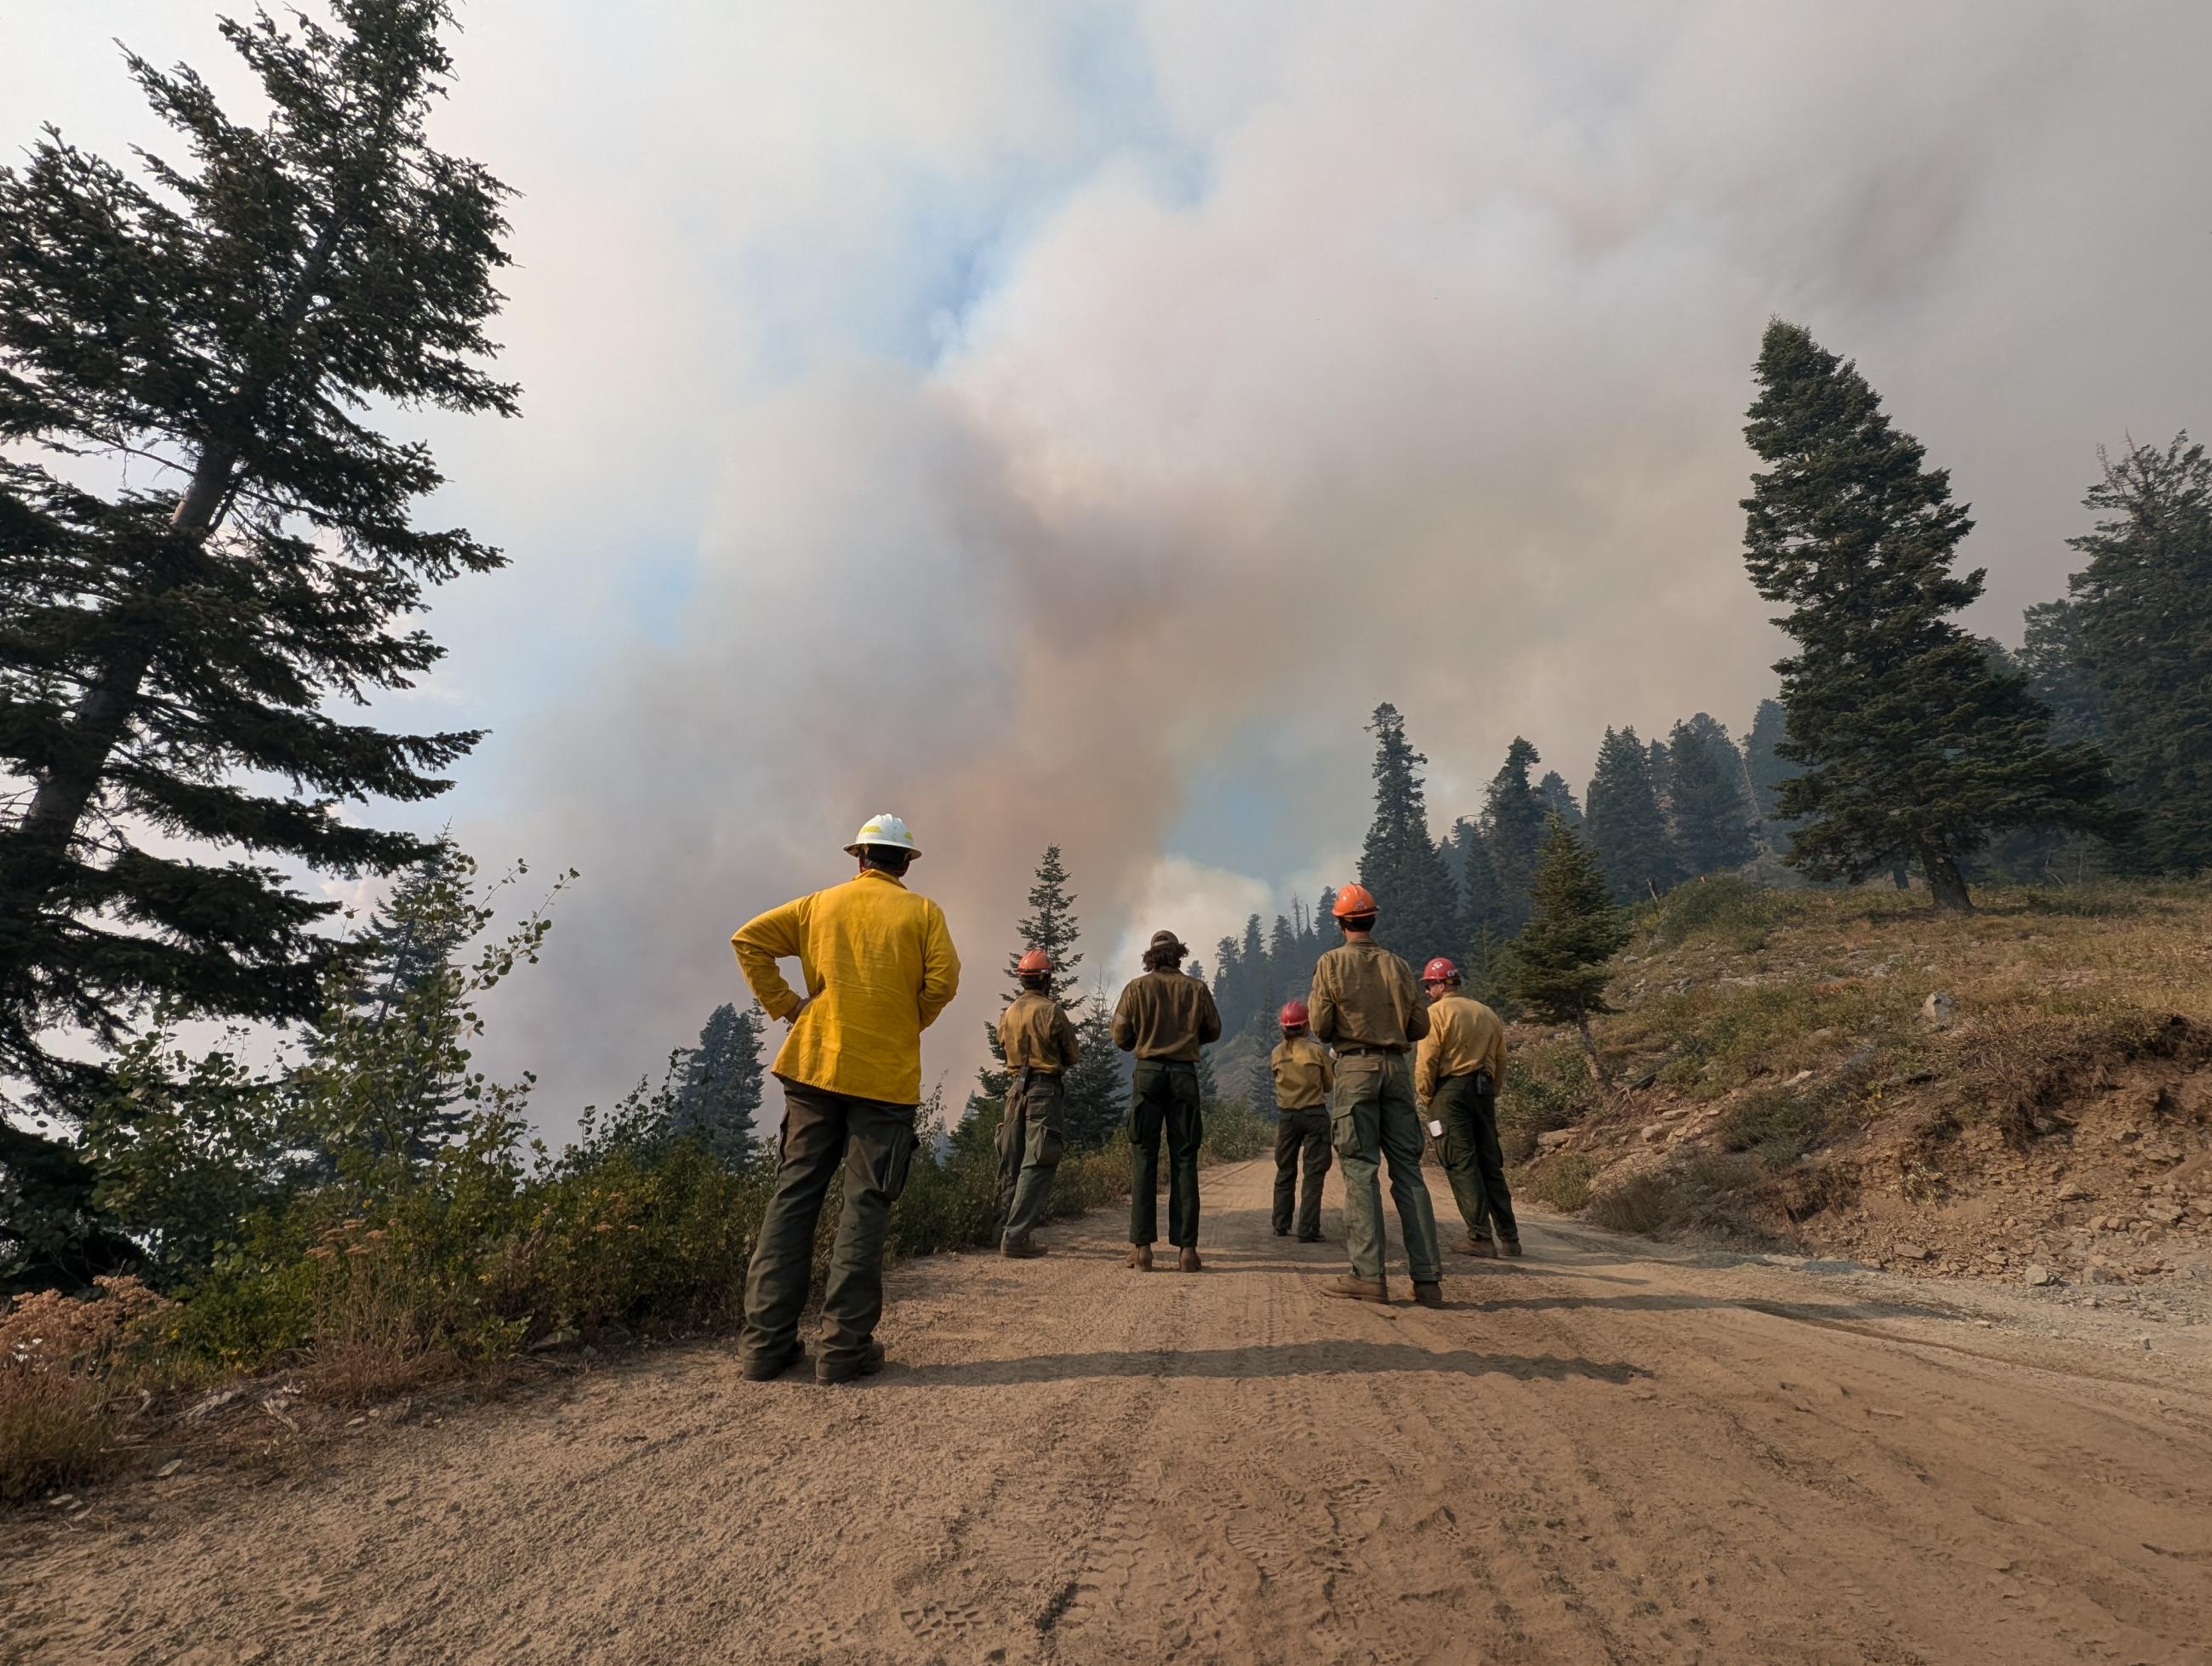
[1429,1295]
[1189,1262]
[867,1363]
[1282,1231]
[762,1370]
[1141,1257]
[1482,1248]
[1355,1290]
[1021,1249]
[1311,1238]
[1510,1249]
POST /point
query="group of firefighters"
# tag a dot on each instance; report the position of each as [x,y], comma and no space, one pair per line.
[878,965]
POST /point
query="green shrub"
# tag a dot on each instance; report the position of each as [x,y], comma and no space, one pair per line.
[1730,910]
[1563,1183]
[1235,1132]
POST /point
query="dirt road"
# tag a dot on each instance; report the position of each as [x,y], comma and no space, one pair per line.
[1603,1453]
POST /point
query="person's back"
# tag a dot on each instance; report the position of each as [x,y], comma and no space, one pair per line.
[1164,1017]
[1364,1003]
[1166,1014]
[1304,1075]
[1364,997]
[1456,1078]
[878,967]
[1040,1047]
[873,954]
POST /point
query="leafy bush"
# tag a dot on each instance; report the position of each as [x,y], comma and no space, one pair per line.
[1235,1132]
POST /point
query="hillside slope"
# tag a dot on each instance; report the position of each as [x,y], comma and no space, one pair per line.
[2024,1093]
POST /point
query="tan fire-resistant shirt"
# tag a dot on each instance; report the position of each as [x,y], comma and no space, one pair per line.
[1464,1037]
[1304,1075]
[1364,996]
[1037,1035]
[1166,1015]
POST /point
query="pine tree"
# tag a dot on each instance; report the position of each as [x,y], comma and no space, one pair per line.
[1558,798]
[1414,889]
[1513,817]
[1909,744]
[415,937]
[1626,829]
[2142,612]
[1482,899]
[1098,1089]
[2054,660]
[1561,964]
[1050,924]
[1767,771]
[1712,811]
[171,649]
[720,1086]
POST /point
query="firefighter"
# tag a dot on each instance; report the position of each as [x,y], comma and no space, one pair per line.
[1039,1043]
[1303,1076]
[1165,1017]
[878,966]
[1365,1004]
[1455,1076]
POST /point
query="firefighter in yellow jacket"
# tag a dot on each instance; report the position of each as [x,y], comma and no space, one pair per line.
[1303,1076]
[1364,1004]
[1455,1077]
[878,967]
[1039,1043]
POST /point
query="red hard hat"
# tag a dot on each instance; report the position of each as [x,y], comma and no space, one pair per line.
[1440,970]
[1036,960]
[1354,900]
[1293,1015]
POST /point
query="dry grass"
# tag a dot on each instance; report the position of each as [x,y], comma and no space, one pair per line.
[63,1362]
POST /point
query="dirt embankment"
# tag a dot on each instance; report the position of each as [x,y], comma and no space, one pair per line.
[2024,1095]
[1611,1451]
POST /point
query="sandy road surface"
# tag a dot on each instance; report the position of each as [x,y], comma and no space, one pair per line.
[1604,1453]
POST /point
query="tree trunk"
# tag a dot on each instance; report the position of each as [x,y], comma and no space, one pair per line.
[1597,1070]
[1947,886]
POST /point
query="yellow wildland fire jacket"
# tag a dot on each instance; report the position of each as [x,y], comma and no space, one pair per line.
[878,966]
[1464,1037]
[1034,1034]
[1303,1074]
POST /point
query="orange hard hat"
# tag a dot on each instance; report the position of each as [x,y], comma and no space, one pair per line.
[1293,1015]
[1354,900]
[1440,970]
[1036,960]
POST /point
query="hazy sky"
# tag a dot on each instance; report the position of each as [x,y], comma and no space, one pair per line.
[1067,423]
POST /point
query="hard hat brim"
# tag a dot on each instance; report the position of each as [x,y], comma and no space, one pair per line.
[882,844]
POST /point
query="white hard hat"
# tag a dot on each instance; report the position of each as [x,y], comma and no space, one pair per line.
[886,829]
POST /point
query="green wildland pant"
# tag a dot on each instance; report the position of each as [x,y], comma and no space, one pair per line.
[1467,1107]
[1031,1136]
[1300,1134]
[875,1141]
[1374,1120]
[1163,1097]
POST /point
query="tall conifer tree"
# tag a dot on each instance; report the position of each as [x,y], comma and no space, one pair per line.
[1098,1089]
[1414,889]
[1911,743]
[720,1086]
[1049,924]
[2142,617]
[175,643]
[1558,798]
[1513,817]
[1561,964]
[1481,898]
[1713,812]
[1625,828]
[1767,769]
